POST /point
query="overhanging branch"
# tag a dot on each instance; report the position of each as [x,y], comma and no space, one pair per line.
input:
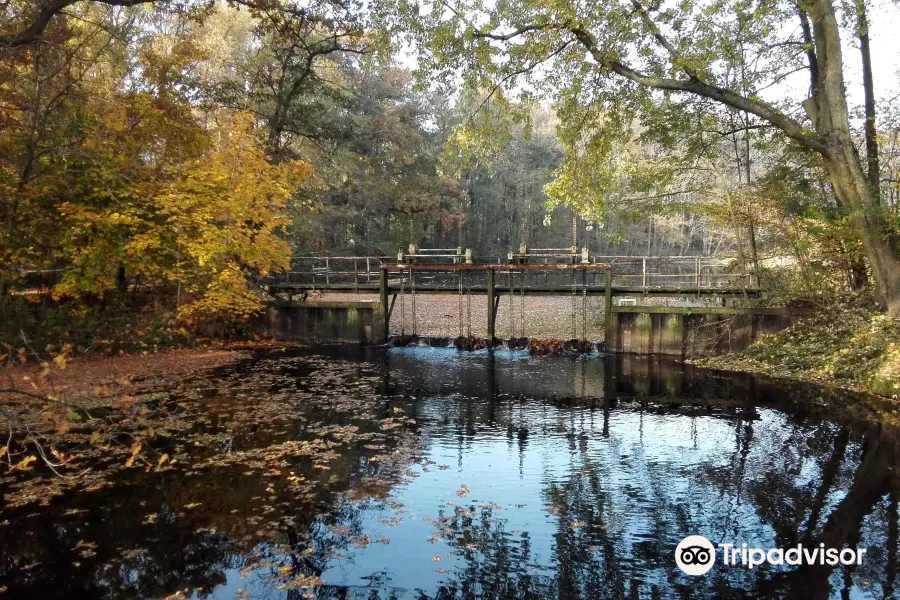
[793,129]
[45,13]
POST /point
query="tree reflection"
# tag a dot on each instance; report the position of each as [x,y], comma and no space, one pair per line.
[614,509]
[823,482]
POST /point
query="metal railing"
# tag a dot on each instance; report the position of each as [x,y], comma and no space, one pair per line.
[639,273]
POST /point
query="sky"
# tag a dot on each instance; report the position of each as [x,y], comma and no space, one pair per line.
[884,34]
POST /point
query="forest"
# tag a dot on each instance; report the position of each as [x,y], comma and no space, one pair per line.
[171,153]
[163,161]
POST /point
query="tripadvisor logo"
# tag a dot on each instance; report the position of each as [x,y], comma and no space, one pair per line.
[695,555]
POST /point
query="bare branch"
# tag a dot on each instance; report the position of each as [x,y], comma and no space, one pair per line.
[45,14]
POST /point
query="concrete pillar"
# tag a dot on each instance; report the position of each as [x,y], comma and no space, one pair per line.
[609,320]
[491,293]
[385,308]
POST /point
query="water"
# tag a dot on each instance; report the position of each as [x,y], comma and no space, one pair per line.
[435,473]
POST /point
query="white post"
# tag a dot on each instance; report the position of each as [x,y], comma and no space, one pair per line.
[644,273]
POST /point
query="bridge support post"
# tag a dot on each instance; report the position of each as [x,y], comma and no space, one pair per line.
[492,314]
[385,309]
[609,321]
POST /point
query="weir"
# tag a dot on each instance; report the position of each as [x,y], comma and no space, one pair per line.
[638,328]
[690,332]
[355,321]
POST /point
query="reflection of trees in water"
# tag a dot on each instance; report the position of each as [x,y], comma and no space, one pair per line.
[798,480]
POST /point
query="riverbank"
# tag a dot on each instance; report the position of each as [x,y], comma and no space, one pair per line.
[850,345]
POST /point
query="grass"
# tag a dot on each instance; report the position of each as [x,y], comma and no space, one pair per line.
[850,344]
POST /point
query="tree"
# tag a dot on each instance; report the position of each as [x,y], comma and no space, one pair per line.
[624,60]
[226,216]
[38,16]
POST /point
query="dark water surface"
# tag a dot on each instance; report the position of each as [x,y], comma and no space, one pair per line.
[439,474]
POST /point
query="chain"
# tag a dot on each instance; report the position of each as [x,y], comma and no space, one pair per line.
[522,305]
[512,321]
[574,308]
[412,285]
[468,308]
[460,304]
[402,305]
[584,306]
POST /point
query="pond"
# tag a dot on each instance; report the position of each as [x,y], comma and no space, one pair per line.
[433,473]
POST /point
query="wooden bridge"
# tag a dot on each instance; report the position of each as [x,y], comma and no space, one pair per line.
[548,272]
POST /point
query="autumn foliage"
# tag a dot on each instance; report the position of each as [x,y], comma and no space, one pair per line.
[111,180]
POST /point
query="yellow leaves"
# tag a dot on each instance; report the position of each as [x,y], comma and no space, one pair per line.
[25,463]
[3,451]
[60,361]
[135,450]
[62,458]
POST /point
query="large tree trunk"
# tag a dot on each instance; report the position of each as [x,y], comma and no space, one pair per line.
[851,186]
[841,161]
[828,112]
